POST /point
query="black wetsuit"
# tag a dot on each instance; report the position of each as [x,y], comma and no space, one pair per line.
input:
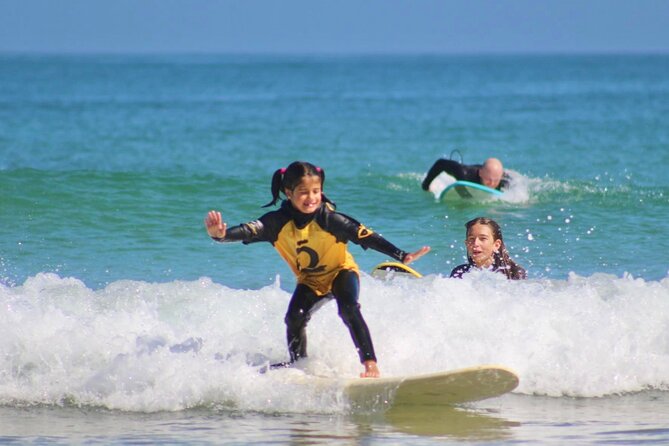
[314,246]
[461,172]
[460,270]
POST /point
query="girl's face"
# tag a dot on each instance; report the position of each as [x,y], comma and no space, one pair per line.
[306,197]
[481,245]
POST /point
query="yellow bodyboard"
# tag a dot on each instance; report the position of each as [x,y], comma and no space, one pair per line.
[386,270]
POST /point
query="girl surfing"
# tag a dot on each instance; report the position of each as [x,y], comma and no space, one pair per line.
[311,236]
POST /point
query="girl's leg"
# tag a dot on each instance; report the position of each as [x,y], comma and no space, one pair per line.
[302,305]
[346,289]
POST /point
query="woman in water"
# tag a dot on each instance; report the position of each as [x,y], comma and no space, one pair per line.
[486,250]
[311,237]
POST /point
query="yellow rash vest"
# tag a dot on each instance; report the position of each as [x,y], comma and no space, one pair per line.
[313,245]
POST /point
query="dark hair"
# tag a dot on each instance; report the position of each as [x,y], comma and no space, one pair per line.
[290,177]
[501,259]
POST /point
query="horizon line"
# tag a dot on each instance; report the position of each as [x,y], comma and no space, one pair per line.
[24,52]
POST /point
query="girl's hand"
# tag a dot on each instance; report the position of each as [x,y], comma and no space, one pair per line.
[215,225]
[416,255]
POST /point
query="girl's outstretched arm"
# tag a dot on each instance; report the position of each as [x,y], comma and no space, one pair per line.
[415,255]
[215,225]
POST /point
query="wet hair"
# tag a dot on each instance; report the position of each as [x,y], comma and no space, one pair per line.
[290,177]
[501,260]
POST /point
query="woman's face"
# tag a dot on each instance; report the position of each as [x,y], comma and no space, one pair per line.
[481,245]
[306,197]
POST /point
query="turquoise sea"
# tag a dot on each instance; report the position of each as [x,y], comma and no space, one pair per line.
[122,322]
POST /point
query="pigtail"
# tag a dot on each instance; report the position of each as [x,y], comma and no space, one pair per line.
[277,180]
[325,199]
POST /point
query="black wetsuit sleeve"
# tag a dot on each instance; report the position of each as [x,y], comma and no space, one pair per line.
[453,168]
[246,232]
[378,243]
[265,229]
[346,229]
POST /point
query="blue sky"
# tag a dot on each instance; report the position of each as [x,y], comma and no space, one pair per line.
[341,26]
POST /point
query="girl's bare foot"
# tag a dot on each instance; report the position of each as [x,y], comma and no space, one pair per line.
[371,370]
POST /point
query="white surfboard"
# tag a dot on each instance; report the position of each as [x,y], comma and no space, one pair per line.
[433,389]
[446,388]
[387,270]
[466,190]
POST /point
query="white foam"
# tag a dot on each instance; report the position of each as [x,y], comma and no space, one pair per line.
[167,346]
[520,187]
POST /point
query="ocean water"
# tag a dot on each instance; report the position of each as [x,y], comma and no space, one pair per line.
[121,321]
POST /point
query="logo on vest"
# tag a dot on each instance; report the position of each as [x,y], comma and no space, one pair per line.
[313,259]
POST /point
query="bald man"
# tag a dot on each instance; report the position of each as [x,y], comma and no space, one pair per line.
[490,173]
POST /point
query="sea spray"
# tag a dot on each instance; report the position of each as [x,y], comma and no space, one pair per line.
[143,346]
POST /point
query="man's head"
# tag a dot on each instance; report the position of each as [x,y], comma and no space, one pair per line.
[491,172]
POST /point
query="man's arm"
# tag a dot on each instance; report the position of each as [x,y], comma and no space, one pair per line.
[451,167]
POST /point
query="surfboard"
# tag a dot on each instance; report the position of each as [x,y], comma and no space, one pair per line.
[433,389]
[467,190]
[386,270]
[445,388]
